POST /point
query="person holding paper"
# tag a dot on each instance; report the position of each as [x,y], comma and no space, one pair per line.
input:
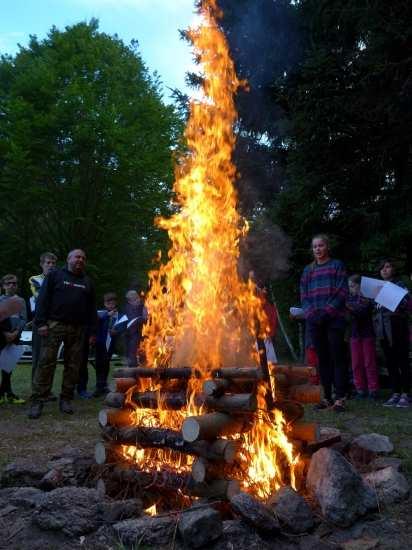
[391,328]
[323,291]
[362,341]
[105,341]
[17,322]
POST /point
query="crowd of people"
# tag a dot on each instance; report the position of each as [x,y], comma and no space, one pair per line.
[329,301]
[63,307]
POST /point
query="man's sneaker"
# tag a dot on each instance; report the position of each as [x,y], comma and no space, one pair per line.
[360,395]
[65,407]
[100,392]
[84,394]
[50,398]
[393,401]
[339,406]
[14,399]
[35,410]
[322,405]
[404,402]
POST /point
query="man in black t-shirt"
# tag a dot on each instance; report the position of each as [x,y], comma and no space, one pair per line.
[65,312]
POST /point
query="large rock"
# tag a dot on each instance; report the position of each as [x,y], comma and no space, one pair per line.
[385,461]
[113,511]
[200,526]
[254,512]
[292,510]
[237,535]
[146,531]
[389,484]
[339,489]
[25,497]
[367,447]
[72,510]
[22,473]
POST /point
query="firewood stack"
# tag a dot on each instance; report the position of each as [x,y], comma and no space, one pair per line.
[230,405]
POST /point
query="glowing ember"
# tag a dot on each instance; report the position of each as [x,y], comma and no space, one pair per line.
[201,313]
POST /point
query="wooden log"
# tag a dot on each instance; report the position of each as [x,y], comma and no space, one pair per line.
[291,410]
[168,481]
[230,403]
[105,453]
[115,417]
[215,388]
[158,373]
[316,445]
[304,431]
[294,372]
[305,393]
[243,373]
[147,400]
[211,425]
[124,384]
[205,471]
[219,450]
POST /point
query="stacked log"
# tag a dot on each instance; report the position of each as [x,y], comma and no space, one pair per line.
[229,404]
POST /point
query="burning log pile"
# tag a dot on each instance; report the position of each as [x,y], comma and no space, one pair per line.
[210,441]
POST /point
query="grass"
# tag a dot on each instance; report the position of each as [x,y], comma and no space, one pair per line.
[22,438]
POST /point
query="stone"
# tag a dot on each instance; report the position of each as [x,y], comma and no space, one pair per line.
[338,488]
[384,461]
[118,510]
[52,480]
[73,510]
[390,485]
[361,544]
[146,530]
[311,542]
[22,473]
[254,512]
[292,510]
[25,497]
[200,526]
[367,447]
[236,534]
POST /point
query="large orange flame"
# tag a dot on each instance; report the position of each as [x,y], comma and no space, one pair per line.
[202,313]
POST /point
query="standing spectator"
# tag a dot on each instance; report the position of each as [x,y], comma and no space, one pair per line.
[65,312]
[323,290]
[393,332]
[47,262]
[136,314]
[106,341]
[17,322]
[362,342]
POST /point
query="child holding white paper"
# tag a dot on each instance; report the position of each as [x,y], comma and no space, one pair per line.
[393,332]
[362,341]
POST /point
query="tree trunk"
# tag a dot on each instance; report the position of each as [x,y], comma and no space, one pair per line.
[212,425]
[244,373]
[160,373]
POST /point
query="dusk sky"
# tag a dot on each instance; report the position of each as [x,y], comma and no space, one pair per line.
[154,23]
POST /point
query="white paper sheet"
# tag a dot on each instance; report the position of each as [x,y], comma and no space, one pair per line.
[370,288]
[122,319]
[390,296]
[10,356]
[296,312]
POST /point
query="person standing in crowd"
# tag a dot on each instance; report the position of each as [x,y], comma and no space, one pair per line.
[323,291]
[392,330]
[106,341]
[136,314]
[362,342]
[47,262]
[17,322]
[65,312]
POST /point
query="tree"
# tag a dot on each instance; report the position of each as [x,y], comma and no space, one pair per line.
[86,149]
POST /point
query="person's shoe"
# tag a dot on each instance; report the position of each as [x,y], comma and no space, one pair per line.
[100,392]
[360,395]
[14,399]
[404,402]
[84,394]
[65,407]
[35,410]
[373,395]
[339,406]
[50,398]
[322,405]
[392,401]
